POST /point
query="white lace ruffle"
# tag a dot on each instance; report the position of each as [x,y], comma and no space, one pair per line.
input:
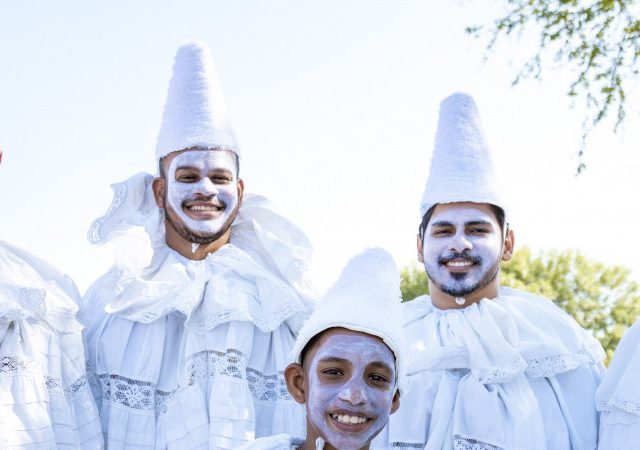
[499,339]
[260,277]
[460,443]
[619,389]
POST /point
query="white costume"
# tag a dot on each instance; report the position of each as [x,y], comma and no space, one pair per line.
[618,396]
[45,400]
[510,373]
[190,354]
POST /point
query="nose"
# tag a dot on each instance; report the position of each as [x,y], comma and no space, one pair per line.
[460,242]
[354,393]
[206,187]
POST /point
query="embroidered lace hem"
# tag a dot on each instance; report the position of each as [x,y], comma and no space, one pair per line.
[550,365]
[12,365]
[461,443]
[623,404]
[144,395]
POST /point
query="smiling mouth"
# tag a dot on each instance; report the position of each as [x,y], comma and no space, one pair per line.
[203,210]
[346,419]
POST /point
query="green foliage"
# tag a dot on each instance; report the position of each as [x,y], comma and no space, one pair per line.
[602,299]
[600,39]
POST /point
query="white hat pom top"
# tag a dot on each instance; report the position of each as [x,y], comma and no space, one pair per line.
[462,168]
[365,298]
[194,114]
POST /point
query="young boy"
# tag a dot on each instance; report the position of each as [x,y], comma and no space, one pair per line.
[348,365]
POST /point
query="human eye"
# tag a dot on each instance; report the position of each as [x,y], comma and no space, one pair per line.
[479,230]
[186,177]
[441,232]
[221,179]
[331,371]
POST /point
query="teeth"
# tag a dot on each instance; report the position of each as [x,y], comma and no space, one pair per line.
[349,420]
[204,208]
[459,264]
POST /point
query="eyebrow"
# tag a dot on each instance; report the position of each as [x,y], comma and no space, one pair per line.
[381,365]
[443,223]
[333,359]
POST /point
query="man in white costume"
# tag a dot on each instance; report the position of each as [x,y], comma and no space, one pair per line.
[349,363]
[45,400]
[490,367]
[189,352]
[618,396]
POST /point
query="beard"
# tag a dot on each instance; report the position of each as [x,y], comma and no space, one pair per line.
[458,287]
[197,237]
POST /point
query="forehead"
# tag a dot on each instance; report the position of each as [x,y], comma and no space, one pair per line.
[202,159]
[463,212]
[351,345]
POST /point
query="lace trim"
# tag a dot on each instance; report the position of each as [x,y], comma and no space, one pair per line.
[620,403]
[32,299]
[504,375]
[407,445]
[13,365]
[461,443]
[206,364]
[550,365]
[119,195]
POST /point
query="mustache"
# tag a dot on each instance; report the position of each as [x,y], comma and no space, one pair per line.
[205,199]
[465,255]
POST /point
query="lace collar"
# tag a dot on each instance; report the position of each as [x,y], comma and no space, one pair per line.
[498,339]
[261,276]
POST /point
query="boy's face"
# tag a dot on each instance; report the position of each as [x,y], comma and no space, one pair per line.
[348,386]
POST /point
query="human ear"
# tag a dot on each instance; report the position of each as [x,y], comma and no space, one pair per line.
[240,185]
[294,377]
[419,248]
[158,186]
[395,403]
[507,248]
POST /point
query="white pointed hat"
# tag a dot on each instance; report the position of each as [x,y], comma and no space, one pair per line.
[195,114]
[462,168]
[366,298]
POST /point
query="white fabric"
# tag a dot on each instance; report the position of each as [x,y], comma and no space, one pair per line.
[277,442]
[365,298]
[45,400]
[511,373]
[618,396]
[191,354]
[462,168]
[194,114]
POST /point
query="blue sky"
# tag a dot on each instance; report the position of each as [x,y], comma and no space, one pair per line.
[335,106]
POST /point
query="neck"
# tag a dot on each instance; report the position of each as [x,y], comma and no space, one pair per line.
[185,247]
[442,300]
[310,441]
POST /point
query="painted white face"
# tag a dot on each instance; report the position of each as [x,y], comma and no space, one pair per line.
[202,191]
[462,247]
[351,385]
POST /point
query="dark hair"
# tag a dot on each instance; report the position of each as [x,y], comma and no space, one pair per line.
[312,343]
[162,172]
[497,211]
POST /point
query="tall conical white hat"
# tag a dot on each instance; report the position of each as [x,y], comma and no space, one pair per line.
[195,114]
[365,298]
[462,169]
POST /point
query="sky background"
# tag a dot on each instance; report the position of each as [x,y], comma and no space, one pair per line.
[334,103]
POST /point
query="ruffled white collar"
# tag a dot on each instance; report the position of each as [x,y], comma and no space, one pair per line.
[261,276]
[498,339]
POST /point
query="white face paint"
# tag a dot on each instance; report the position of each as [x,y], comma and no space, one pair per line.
[462,247]
[202,190]
[351,382]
